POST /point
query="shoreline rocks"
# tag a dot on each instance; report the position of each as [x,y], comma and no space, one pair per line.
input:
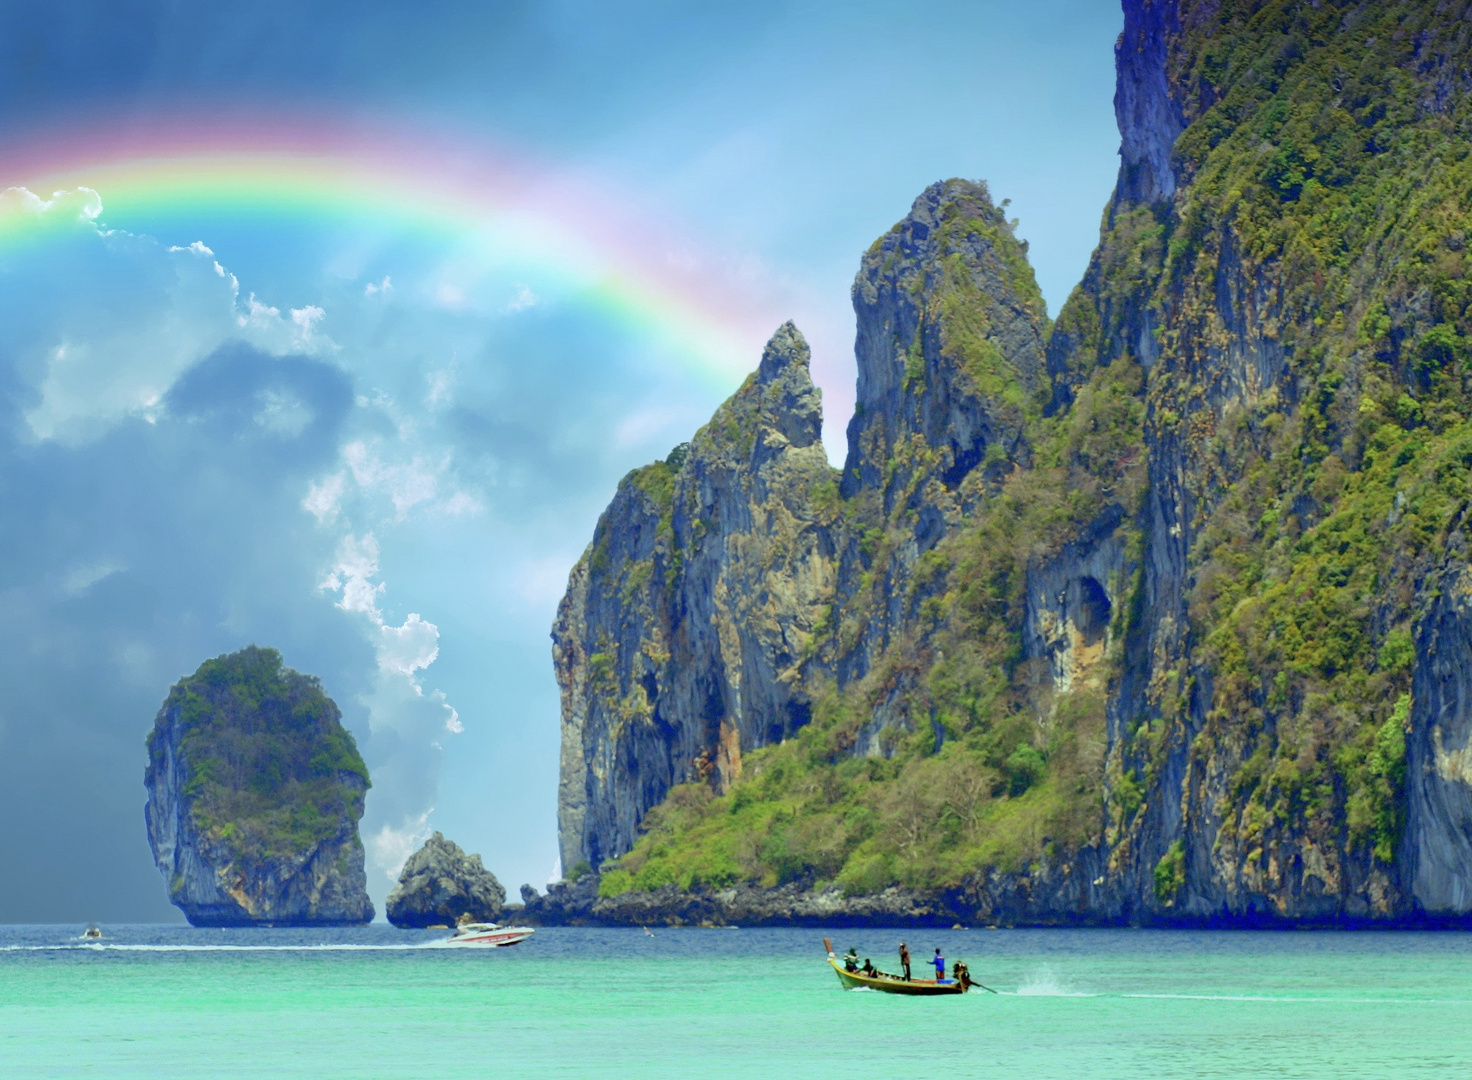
[998,903]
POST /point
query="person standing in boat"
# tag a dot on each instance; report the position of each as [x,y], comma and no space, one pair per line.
[940,966]
[905,960]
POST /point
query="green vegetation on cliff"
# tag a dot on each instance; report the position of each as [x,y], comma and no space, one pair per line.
[984,765]
[1329,171]
[1261,397]
[270,772]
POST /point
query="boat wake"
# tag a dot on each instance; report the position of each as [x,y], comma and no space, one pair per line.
[1047,984]
[121,947]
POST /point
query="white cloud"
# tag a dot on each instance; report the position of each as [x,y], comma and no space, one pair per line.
[523,299]
[200,248]
[402,650]
[307,318]
[392,847]
[441,387]
[351,574]
[407,484]
[80,579]
[381,287]
[297,331]
[405,649]
[84,203]
[325,498]
[462,504]
[452,722]
[259,315]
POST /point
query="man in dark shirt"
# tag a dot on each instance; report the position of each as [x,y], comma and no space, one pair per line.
[905,959]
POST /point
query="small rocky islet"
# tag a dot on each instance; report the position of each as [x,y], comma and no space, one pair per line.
[255,791]
[440,884]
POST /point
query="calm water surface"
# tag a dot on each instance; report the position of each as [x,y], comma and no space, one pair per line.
[164,1002]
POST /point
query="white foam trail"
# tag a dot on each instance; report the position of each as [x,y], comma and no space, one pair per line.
[1046,984]
[114,947]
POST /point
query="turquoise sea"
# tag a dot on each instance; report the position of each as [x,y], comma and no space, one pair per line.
[163,1002]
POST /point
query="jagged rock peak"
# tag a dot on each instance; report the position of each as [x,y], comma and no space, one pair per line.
[780,394]
[440,883]
[927,209]
[950,342]
[786,349]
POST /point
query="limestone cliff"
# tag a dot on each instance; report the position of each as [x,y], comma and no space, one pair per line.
[682,636]
[255,791]
[1157,613]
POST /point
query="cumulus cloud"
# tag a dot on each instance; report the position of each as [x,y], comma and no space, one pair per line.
[402,716]
[352,574]
[200,248]
[324,498]
[80,204]
[379,287]
[391,847]
[405,649]
[296,331]
[407,484]
[104,324]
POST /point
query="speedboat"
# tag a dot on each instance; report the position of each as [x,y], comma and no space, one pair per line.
[92,933]
[489,934]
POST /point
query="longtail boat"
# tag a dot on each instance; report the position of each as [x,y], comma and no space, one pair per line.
[893,984]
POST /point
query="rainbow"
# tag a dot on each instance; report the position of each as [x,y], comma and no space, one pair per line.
[452,193]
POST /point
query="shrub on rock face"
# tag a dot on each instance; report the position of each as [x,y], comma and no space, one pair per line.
[440,883]
[255,794]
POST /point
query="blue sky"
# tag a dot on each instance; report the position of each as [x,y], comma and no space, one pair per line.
[217,429]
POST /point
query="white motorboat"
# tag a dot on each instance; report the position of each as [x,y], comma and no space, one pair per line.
[489,934]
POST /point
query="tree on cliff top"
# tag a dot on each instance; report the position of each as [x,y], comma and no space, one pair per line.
[269,769]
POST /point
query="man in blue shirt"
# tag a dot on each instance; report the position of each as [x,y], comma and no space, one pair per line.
[940,966]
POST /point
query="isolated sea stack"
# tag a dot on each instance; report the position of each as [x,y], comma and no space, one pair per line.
[255,790]
[440,883]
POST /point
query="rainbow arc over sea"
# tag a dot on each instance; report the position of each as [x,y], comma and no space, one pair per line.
[493,207]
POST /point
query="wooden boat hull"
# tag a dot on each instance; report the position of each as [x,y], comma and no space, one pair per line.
[888,984]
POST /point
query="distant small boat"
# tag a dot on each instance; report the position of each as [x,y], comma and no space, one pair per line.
[893,984]
[92,933]
[489,934]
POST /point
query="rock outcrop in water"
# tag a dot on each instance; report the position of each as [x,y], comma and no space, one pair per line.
[1157,613]
[255,790]
[440,883]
